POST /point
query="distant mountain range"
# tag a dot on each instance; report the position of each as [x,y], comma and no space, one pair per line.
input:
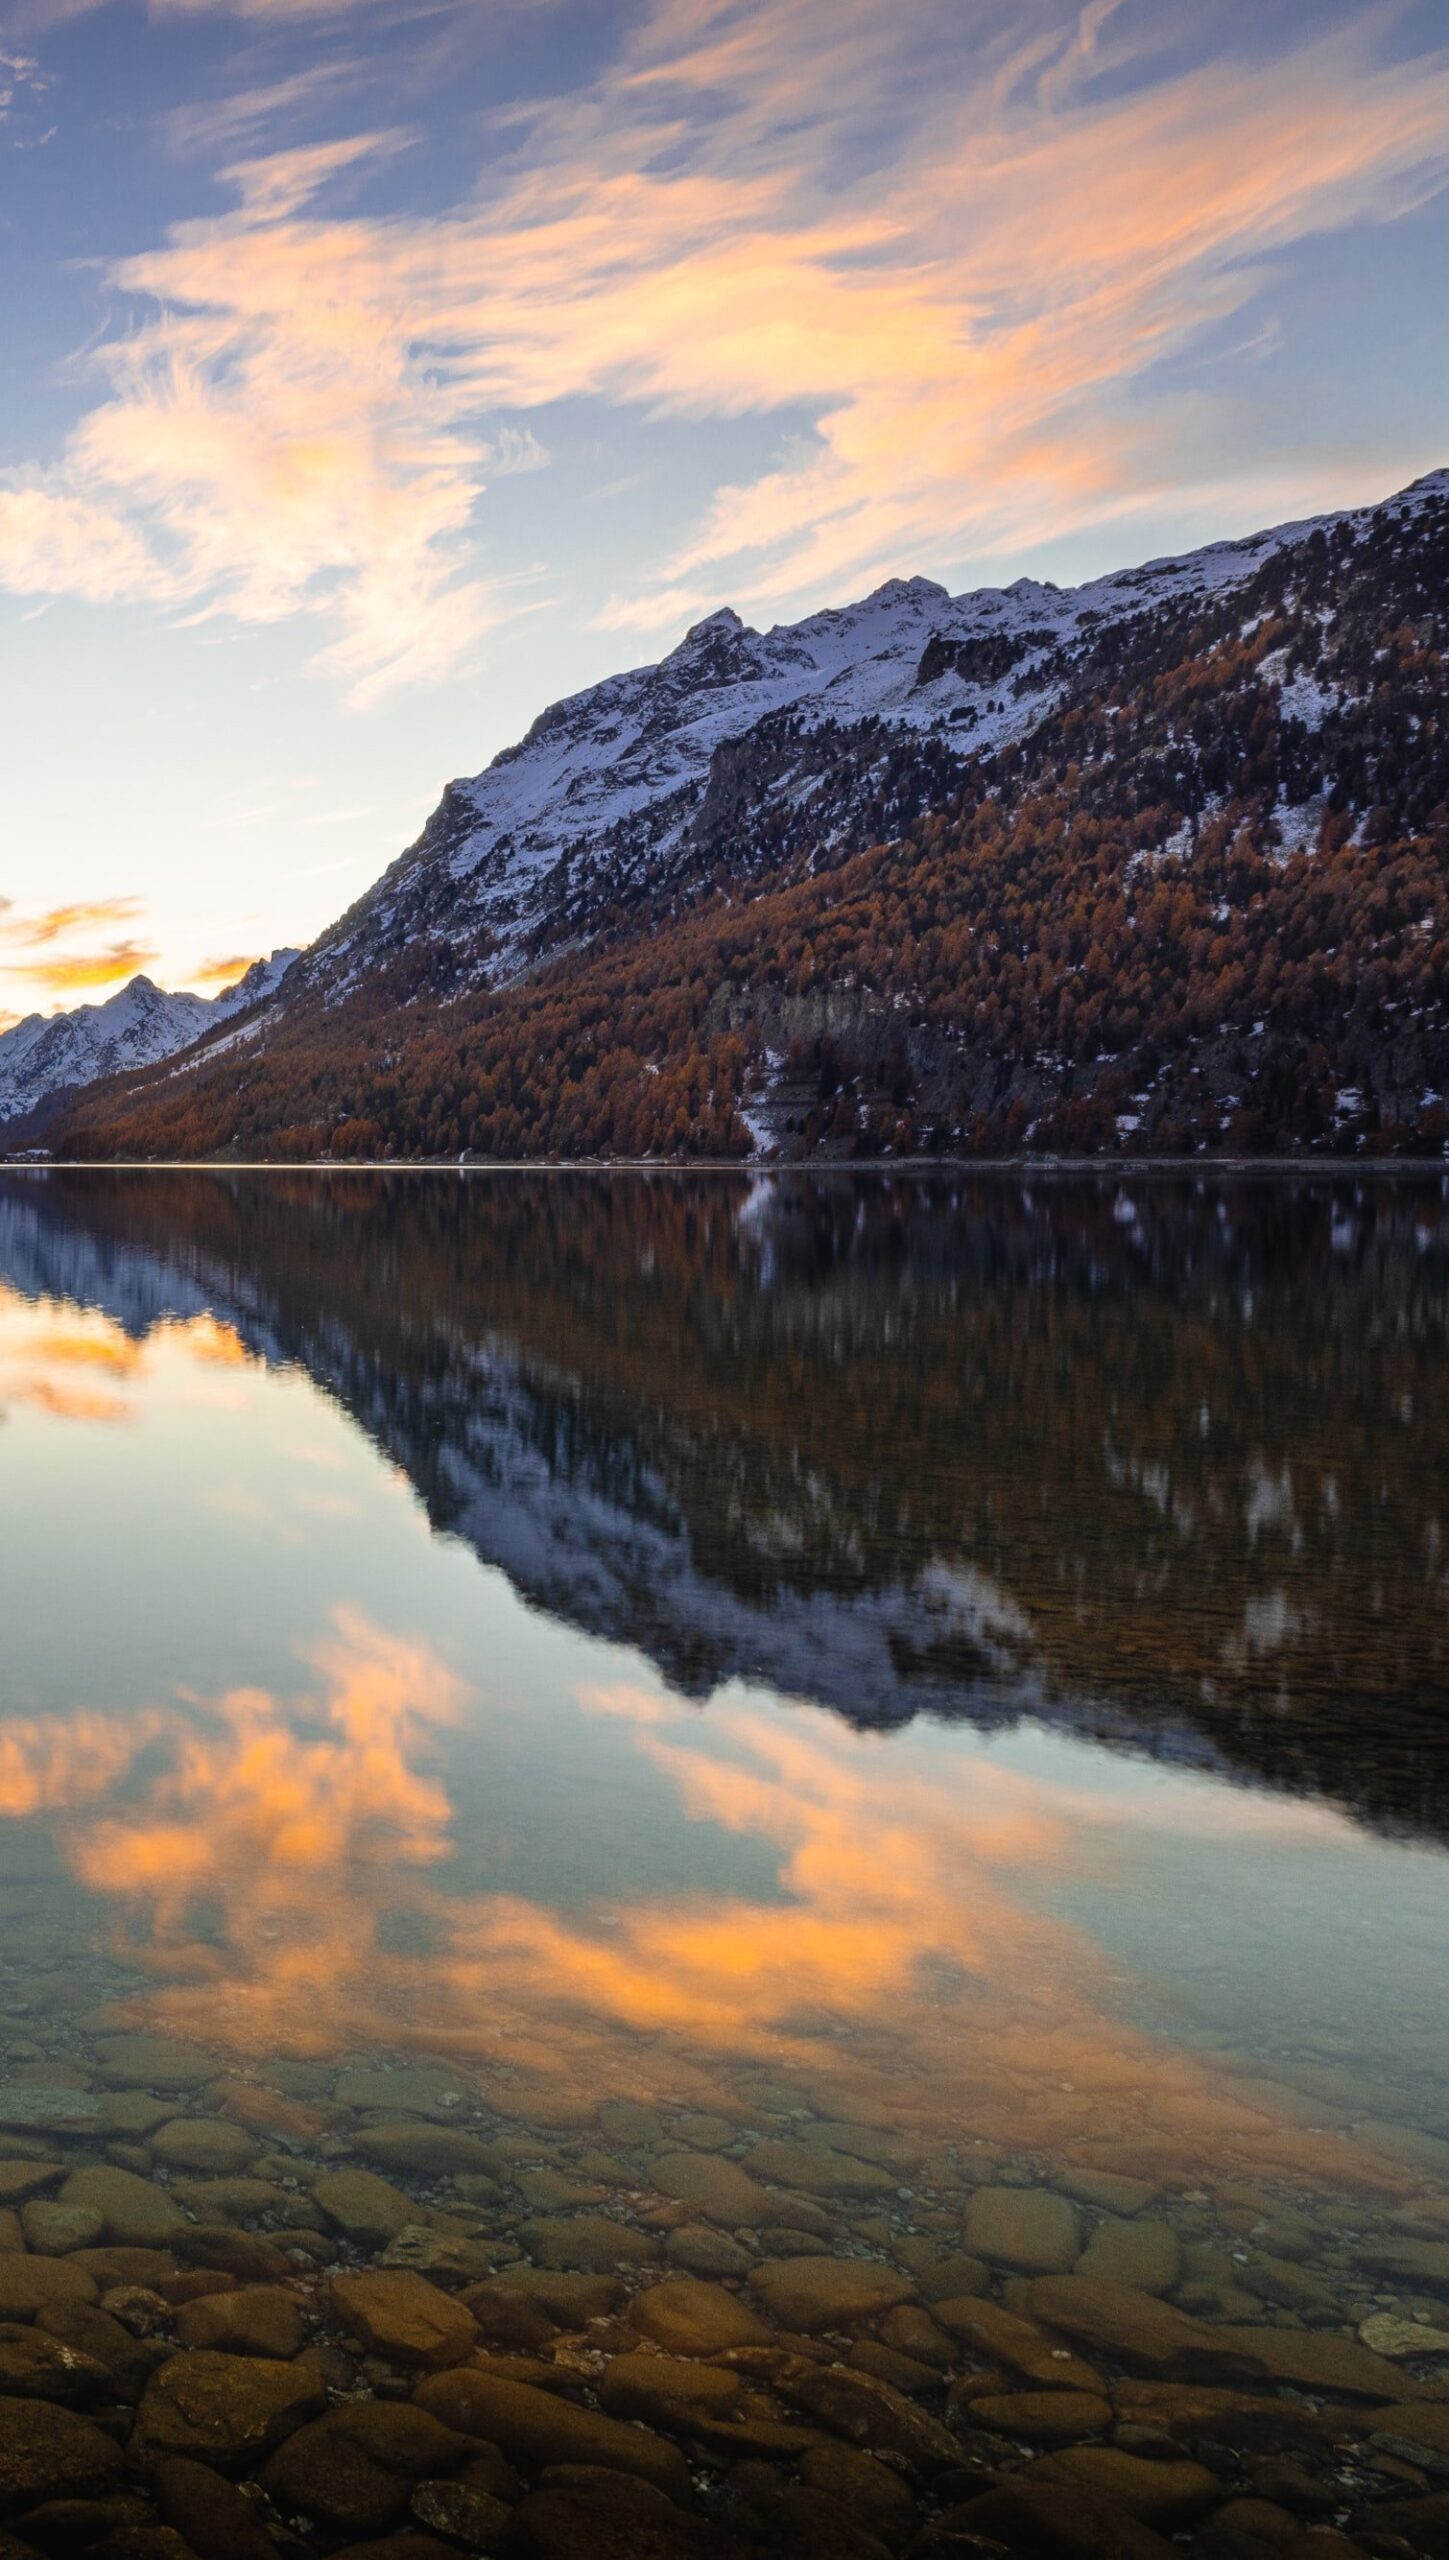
[48,1054]
[1158,863]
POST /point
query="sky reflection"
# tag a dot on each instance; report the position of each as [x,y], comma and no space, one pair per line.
[351,1793]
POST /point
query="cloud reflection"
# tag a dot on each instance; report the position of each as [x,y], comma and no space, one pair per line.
[284,1870]
[79,1366]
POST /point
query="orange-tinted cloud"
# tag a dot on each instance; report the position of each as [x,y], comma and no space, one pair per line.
[944,257]
[281,1859]
[224,972]
[73,972]
[57,923]
[80,1366]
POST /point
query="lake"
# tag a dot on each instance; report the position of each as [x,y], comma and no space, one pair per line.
[867,1749]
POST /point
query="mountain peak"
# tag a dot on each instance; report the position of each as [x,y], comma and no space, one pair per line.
[715,629]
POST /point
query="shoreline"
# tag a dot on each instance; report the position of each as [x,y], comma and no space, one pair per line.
[1397,1168]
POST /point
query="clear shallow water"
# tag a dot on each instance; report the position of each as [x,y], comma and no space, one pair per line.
[962,1659]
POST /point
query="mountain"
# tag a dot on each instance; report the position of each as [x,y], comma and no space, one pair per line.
[1158,863]
[49,1053]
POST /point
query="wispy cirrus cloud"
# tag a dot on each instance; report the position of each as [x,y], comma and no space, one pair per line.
[945,258]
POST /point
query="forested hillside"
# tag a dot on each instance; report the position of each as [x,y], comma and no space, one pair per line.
[1189,893]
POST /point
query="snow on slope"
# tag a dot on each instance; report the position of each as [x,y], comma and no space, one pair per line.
[614,776]
[131,1029]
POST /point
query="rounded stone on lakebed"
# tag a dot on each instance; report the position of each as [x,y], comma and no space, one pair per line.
[245,2255]
[525,2306]
[356,2468]
[35,2366]
[1141,2253]
[53,2230]
[1168,2493]
[687,2317]
[255,2320]
[153,2062]
[1042,2417]
[415,2089]
[591,2243]
[131,2115]
[212,2516]
[816,2170]
[1026,2229]
[22,2178]
[537,2429]
[425,2150]
[49,2452]
[401,2316]
[668,2391]
[225,2410]
[29,2284]
[470,2516]
[134,2211]
[363,2205]
[827,2293]
[702,2251]
[718,2189]
[205,2144]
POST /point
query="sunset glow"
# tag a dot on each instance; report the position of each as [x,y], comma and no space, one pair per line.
[402,371]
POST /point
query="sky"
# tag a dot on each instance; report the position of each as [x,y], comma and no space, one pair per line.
[373,372]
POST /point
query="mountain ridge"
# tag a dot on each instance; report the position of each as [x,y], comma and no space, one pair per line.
[140,1025]
[1136,865]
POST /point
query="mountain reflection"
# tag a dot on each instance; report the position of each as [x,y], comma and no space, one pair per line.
[1161,1464]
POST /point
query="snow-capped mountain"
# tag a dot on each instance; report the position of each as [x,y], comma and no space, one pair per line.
[1148,865]
[49,1053]
[620,788]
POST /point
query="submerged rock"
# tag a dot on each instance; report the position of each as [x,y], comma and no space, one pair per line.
[535,2428]
[826,2293]
[356,2469]
[226,2410]
[400,2315]
[134,2211]
[690,2318]
[256,2320]
[1027,2229]
[49,2452]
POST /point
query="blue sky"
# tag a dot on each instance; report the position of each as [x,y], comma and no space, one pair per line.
[372,373]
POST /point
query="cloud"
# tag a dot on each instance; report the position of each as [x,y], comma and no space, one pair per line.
[54,541]
[72,972]
[73,1366]
[55,923]
[945,259]
[218,125]
[63,971]
[225,972]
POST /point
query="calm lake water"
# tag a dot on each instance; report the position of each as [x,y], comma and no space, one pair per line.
[964,1659]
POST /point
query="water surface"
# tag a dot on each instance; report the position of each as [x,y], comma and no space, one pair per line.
[964,1658]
